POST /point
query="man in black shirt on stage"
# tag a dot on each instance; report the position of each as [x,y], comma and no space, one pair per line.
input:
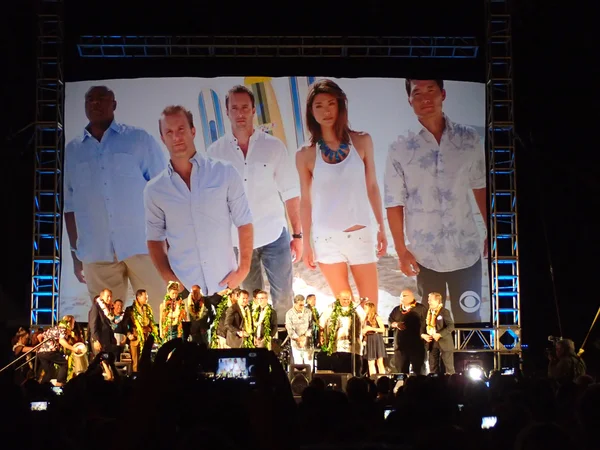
[408,322]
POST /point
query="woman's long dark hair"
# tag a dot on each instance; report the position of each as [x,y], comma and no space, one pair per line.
[341,127]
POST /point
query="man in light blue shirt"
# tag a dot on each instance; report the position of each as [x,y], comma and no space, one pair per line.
[435,183]
[106,170]
[190,209]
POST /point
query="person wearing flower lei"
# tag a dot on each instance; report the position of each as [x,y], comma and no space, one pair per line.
[49,354]
[438,337]
[248,326]
[408,320]
[75,336]
[140,325]
[234,322]
[311,303]
[340,335]
[218,331]
[200,314]
[101,334]
[265,321]
[118,326]
[172,313]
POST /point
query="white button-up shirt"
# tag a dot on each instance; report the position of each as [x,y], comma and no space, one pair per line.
[197,221]
[434,184]
[269,176]
[104,185]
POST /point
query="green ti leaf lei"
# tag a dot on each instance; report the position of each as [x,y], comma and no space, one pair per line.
[266,324]
[138,319]
[315,316]
[330,346]
[220,310]
[248,328]
[182,314]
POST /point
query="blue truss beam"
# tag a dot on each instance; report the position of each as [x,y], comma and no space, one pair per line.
[436,47]
[504,248]
[48,159]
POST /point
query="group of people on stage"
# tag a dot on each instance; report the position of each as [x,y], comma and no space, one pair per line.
[345,329]
[216,220]
[348,329]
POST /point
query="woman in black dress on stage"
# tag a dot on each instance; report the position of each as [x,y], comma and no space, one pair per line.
[372,331]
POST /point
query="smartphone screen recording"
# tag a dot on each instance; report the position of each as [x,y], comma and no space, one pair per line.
[39,406]
[488,422]
[236,367]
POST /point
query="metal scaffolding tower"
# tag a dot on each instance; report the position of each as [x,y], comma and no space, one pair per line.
[49,144]
[502,184]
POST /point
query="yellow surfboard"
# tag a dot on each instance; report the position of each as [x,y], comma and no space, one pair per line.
[268,115]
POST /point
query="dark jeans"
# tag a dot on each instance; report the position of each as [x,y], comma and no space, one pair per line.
[435,353]
[464,286]
[414,355]
[48,360]
[276,258]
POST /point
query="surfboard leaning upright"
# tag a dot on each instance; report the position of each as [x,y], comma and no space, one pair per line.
[268,115]
[211,116]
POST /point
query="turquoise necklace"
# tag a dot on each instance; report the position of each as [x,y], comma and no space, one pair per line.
[334,155]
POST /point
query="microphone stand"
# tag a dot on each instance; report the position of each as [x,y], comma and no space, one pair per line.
[352,342]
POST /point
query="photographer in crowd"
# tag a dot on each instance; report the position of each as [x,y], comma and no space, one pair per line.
[564,364]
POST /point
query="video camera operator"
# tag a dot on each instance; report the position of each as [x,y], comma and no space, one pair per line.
[564,364]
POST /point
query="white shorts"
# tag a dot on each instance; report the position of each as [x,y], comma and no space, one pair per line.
[352,247]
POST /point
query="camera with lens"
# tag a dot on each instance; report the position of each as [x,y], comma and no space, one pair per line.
[551,352]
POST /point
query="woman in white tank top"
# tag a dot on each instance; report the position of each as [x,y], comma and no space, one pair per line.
[339,194]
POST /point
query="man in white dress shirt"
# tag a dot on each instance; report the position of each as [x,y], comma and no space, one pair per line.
[192,205]
[106,171]
[270,181]
[430,177]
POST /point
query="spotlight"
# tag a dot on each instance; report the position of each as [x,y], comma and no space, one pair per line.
[475,373]
[473,369]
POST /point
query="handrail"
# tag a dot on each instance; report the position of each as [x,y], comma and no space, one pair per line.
[24,355]
[27,362]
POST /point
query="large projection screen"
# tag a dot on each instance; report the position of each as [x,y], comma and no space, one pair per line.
[441,185]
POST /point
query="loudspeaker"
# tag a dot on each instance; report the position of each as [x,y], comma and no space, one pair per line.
[334,381]
[300,376]
[124,368]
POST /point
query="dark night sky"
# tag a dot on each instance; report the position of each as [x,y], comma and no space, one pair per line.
[558,179]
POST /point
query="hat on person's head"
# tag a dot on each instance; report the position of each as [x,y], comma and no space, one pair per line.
[22,332]
[173,285]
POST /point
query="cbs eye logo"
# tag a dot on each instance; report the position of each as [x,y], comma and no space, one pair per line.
[470,302]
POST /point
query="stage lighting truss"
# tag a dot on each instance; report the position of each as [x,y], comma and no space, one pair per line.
[98,46]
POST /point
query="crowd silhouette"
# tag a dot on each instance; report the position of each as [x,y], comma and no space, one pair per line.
[171,404]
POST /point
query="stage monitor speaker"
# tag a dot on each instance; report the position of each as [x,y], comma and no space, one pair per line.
[124,368]
[300,376]
[335,381]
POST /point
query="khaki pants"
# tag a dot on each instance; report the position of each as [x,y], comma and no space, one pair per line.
[134,349]
[116,276]
[222,342]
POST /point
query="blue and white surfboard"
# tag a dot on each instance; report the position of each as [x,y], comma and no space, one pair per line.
[299,89]
[211,116]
